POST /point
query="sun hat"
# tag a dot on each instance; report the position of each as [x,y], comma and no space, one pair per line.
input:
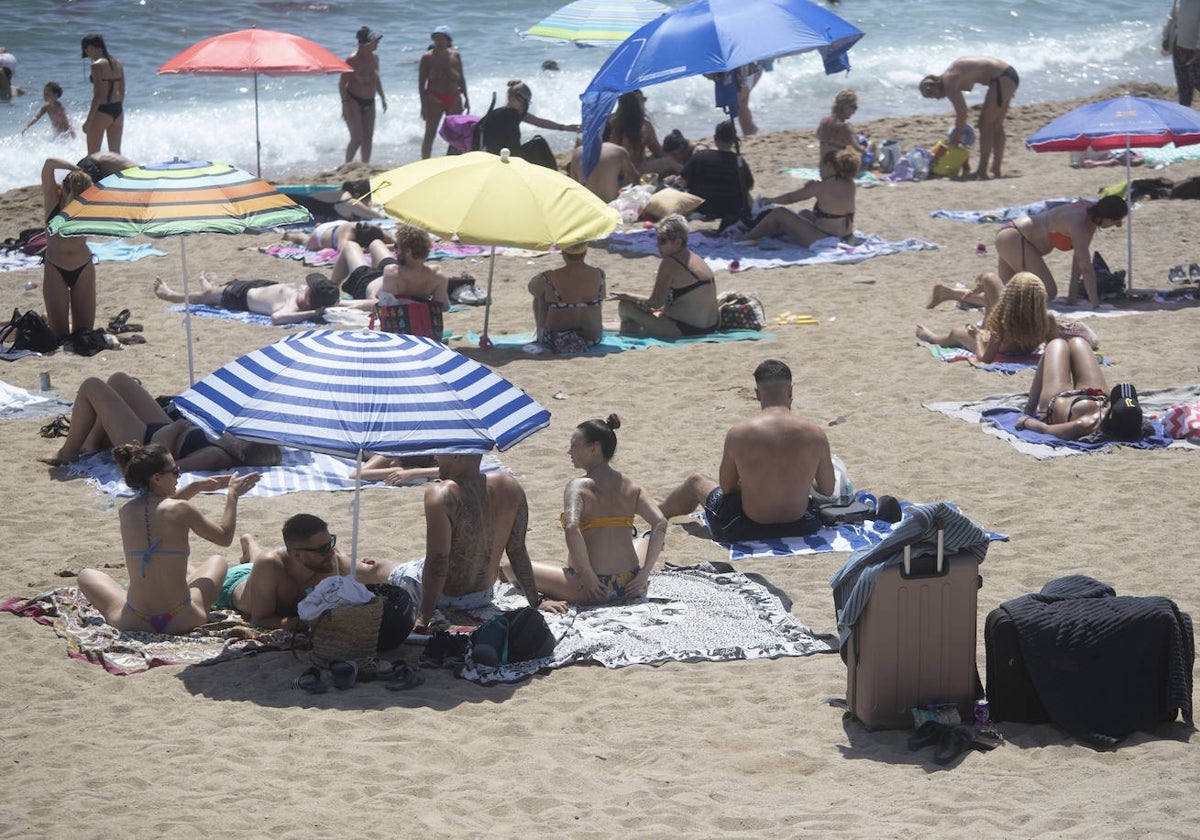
[442,30]
[367,35]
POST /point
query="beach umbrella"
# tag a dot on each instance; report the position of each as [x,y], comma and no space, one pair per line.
[174,199]
[595,23]
[348,393]
[484,199]
[1126,122]
[254,51]
[710,36]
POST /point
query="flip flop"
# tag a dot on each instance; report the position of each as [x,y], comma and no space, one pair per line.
[927,734]
[60,426]
[406,677]
[117,324]
[954,742]
[310,681]
[987,739]
[133,338]
[345,673]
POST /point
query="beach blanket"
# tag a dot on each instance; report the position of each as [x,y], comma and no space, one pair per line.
[1006,363]
[440,249]
[18,261]
[298,471]
[1000,214]
[19,404]
[689,614]
[117,250]
[805,173]
[335,315]
[829,538]
[720,251]
[1169,154]
[613,342]
[998,414]
[226,636]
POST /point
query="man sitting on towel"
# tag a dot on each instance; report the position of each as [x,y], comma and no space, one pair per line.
[286,303]
[403,275]
[771,464]
[471,519]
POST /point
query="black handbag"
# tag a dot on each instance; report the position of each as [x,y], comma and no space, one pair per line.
[28,331]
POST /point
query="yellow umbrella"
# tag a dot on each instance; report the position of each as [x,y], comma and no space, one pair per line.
[485,199]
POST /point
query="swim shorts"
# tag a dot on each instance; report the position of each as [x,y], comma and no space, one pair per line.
[728,524]
[356,284]
[233,577]
[233,295]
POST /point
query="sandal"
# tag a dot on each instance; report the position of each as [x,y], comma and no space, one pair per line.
[310,681]
[927,734]
[60,426]
[954,742]
[345,673]
[134,338]
[406,677]
[117,324]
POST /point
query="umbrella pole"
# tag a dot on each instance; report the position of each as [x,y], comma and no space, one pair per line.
[358,464]
[1129,218]
[484,341]
[187,311]
[257,141]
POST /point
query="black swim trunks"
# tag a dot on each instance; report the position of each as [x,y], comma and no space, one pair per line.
[233,294]
[728,524]
[356,284]
[1011,73]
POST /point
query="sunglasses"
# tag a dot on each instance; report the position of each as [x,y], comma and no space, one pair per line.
[323,550]
[175,471]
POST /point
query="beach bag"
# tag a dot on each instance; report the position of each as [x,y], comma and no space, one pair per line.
[889,153]
[28,331]
[920,159]
[459,130]
[346,633]
[1110,285]
[517,635]
[1181,421]
[738,311]
[412,317]
[949,161]
[399,615]
[88,342]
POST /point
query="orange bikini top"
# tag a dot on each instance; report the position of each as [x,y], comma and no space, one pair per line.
[600,522]
[1061,241]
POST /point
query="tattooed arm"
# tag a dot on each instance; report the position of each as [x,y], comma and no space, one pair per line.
[439,509]
[518,554]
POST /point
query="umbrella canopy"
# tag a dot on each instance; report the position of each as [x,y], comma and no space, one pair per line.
[485,199]
[173,198]
[1126,122]
[592,23]
[254,51]
[710,36]
[352,392]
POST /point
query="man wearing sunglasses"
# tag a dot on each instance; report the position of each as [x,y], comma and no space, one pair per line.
[268,585]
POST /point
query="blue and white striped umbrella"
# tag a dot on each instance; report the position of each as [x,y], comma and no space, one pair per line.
[352,392]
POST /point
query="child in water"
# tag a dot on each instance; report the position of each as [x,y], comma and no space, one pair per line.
[57,112]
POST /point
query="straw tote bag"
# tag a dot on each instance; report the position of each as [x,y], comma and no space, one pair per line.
[346,633]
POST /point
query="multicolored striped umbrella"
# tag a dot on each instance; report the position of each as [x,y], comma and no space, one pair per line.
[173,198]
[355,392]
[595,23]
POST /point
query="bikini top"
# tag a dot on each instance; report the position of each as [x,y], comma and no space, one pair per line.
[559,303]
[674,294]
[821,214]
[112,82]
[148,554]
[1060,241]
[600,522]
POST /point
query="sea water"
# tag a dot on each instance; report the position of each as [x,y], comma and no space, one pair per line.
[1062,49]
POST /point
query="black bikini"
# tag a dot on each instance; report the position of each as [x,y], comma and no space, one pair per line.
[70,276]
[364,105]
[675,294]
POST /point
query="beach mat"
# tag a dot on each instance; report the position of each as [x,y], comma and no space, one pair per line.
[998,413]
[438,250]
[998,215]
[1007,363]
[20,404]
[690,614]
[226,636]
[613,342]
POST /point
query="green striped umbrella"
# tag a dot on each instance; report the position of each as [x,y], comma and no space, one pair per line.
[594,23]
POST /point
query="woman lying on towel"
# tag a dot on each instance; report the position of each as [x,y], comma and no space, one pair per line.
[397,471]
[164,595]
[1070,399]
[832,213]
[606,560]
[122,411]
[1015,320]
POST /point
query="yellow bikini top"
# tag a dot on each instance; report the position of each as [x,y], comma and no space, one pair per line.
[600,522]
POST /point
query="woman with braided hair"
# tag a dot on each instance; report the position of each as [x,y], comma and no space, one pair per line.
[1015,320]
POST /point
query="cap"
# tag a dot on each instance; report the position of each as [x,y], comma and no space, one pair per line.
[367,35]
[442,30]
[322,291]
[1123,419]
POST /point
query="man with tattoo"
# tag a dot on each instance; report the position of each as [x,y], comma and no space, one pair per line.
[471,520]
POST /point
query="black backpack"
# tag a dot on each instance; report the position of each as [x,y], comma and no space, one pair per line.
[28,332]
[512,636]
[1110,285]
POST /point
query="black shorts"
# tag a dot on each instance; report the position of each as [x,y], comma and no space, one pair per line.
[728,524]
[233,294]
[356,284]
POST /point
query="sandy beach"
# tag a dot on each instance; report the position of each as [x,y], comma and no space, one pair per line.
[695,750]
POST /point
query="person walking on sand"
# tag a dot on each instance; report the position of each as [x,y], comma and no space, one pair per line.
[357,90]
[1181,41]
[441,85]
[164,595]
[771,465]
[106,115]
[962,75]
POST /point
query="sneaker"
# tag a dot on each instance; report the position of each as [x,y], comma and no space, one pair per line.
[1176,275]
[1194,273]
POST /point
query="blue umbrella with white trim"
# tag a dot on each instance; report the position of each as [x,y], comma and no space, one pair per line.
[352,392]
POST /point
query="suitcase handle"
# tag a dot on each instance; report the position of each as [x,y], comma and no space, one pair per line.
[940,567]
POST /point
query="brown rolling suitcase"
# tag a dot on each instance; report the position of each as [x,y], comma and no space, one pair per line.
[914,643]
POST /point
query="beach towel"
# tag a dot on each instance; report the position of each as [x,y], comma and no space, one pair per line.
[720,251]
[1169,154]
[613,342]
[998,413]
[1000,214]
[1006,363]
[18,261]
[117,250]
[226,636]
[339,315]
[691,614]
[19,404]
[298,471]
[805,173]
[439,249]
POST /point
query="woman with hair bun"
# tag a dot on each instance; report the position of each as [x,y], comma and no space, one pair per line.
[606,560]
[164,595]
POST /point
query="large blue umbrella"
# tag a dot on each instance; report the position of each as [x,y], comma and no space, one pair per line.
[710,36]
[353,392]
[1126,122]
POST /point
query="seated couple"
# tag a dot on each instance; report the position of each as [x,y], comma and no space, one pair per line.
[401,273]
[284,303]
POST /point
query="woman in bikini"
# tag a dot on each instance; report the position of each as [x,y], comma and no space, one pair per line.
[1015,319]
[1070,400]
[357,90]
[606,561]
[630,128]
[684,299]
[106,116]
[835,133]
[569,298]
[121,410]
[1023,244]
[68,276]
[832,213]
[164,595]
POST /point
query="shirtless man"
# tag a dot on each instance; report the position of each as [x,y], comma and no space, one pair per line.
[962,75]
[404,275]
[286,303]
[771,465]
[267,586]
[614,170]
[471,520]
[441,85]
[357,90]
